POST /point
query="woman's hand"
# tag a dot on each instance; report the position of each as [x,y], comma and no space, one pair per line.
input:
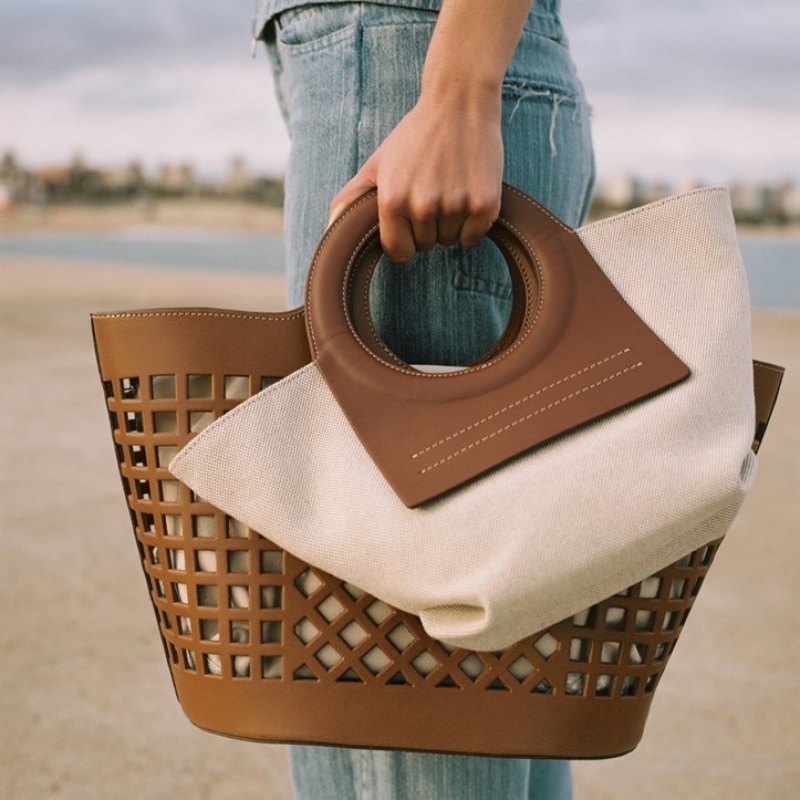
[439,172]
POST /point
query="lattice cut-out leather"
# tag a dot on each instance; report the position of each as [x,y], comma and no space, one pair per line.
[247,624]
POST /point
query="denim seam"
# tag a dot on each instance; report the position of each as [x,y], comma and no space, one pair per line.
[417,23]
[463,281]
[324,42]
[359,50]
[365,788]
[548,26]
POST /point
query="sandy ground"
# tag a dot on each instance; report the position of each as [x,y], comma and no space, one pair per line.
[86,702]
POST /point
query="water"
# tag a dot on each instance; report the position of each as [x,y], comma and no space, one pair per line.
[773,271]
[175,249]
[772,262]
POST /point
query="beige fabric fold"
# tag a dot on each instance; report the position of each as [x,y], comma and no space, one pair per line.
[557,529]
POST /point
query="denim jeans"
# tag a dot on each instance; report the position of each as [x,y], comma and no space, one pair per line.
[345,74]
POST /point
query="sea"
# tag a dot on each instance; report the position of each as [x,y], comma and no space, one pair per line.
[772,260]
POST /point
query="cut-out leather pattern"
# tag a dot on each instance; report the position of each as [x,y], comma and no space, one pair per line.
[253,636]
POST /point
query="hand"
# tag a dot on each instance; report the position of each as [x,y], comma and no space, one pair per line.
[438,173]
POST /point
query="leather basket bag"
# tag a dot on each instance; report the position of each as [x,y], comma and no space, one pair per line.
[497,559]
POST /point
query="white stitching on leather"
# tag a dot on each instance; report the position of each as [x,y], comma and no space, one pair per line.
[368,315]
[541,208]
[326,236]
[529,416]
[520,402]
[266,316]
[770,367]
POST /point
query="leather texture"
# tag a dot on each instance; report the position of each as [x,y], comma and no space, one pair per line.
[767,380]
[557,528]
[262,645]
[417,426]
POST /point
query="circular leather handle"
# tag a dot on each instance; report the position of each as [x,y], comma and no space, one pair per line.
[528,236]
[581,352]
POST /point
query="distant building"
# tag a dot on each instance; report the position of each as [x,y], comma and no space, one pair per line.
[788,202]
[176,179]
[77,181]
[238,181]
[749,202]
[15,182]
[618,191]
[127,180]
[6,199]
[651,192]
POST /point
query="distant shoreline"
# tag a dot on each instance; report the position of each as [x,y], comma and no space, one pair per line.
[180,213]
[207,214]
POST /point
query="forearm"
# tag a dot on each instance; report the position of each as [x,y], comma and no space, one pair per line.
[471,47]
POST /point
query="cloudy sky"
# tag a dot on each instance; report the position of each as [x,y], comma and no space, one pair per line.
[705,88]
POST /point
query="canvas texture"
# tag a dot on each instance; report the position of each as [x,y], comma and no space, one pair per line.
[552,531]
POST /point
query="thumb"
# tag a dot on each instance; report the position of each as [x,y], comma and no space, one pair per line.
[361,183]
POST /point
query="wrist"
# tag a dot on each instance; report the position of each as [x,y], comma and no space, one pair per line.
[463,91]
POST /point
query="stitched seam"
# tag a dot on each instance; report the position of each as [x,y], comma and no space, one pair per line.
[527,328]
[346,283]
[368,316]
[274,317]
[770,367]
[541,208]
[315,261]
[649,207]
[519,402]
[538,411]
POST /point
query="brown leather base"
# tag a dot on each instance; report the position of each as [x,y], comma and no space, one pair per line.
[429,720]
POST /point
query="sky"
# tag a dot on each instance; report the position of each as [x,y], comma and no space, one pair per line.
[705,89]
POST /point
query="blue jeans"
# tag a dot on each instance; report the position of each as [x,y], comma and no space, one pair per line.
[345,74]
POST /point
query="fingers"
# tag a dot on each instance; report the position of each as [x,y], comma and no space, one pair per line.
[361,183]
[475,227]
[449,230]
[405,230]
[409,224]
[397,235]
[408,227]
[483,211]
